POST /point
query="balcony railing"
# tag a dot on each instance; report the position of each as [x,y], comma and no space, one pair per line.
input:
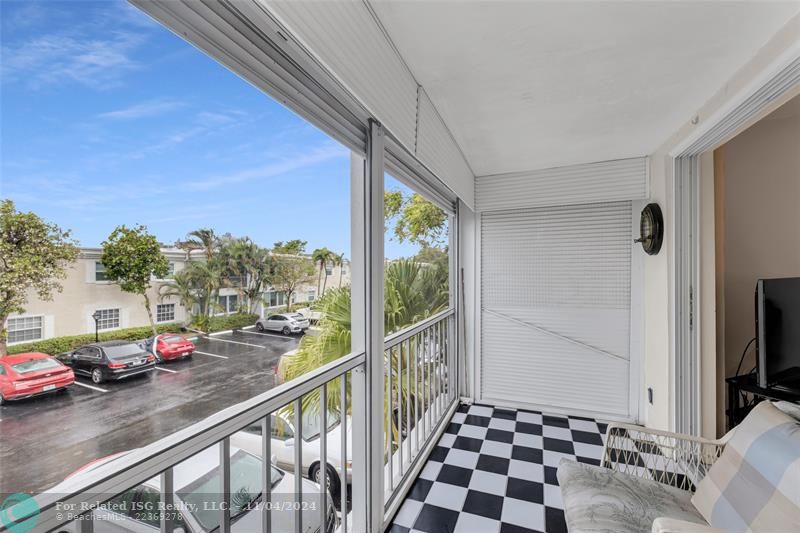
[421,393]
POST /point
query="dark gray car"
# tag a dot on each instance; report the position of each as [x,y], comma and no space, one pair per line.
[109,360]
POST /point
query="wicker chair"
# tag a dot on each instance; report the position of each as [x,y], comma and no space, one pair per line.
[645,482]
[674,459]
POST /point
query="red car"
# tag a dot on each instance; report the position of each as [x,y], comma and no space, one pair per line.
[168,346]
[31,374]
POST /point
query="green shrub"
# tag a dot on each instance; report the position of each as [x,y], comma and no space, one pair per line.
[65,344]
[234,321]
[299,305]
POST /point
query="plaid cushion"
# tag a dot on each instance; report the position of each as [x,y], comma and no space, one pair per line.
[755,484]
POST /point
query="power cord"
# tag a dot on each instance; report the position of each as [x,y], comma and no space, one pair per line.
[744,353]
[747,403]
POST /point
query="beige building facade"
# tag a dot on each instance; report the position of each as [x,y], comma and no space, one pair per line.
[86,291]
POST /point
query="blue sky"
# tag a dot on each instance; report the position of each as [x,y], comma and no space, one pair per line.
[108,118]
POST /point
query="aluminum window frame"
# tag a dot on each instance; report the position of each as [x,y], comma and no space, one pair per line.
[777,83]
[25,317]
[159,313]
[252,43]
[107,311]
[100,269]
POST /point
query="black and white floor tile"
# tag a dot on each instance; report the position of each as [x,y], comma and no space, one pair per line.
[494,471]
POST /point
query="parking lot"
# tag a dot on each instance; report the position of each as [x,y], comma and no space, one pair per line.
[44,439]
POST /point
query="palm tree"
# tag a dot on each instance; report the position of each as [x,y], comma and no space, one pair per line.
[203,239]
[412,294]
[236,256]
[321,256]
[188,247]
[197,284]
[260,267]
[182,287]
[338,260]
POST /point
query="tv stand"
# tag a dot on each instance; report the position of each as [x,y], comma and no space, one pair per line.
[749,383]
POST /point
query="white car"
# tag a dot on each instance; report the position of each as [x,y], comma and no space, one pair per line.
[196,496]
[283,442]
[286,323]
[312,316]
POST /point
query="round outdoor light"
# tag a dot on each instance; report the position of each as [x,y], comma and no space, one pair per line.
[651,229]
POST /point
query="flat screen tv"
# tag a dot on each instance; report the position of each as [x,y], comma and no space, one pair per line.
[778,333]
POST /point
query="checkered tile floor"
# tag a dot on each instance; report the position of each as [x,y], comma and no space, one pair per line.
[494,471]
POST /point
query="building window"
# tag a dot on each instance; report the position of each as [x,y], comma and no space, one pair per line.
[328,268]
[99,272]
[228,304]
[311,295]
[165,312]
[170,271]
[108,319]
[275,298]
[25,329]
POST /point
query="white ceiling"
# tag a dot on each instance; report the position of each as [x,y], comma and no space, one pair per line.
[530,85]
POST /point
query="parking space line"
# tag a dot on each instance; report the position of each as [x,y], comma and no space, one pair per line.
[89,386]
[267,334]
[166,370]
[211,354]
[235,342]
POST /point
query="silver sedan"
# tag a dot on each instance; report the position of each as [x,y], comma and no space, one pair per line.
[286,323]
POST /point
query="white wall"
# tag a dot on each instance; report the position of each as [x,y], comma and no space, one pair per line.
[659,270]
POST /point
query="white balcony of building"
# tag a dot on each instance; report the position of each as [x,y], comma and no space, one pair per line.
[543,130]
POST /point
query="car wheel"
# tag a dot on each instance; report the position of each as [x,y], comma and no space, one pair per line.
[286,330]
[97,376]
[332,479]
[260,327]
[159,357]
[2,400]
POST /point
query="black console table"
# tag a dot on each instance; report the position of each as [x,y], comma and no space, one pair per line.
[749,383]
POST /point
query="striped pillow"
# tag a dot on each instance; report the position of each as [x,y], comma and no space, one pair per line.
[755,484]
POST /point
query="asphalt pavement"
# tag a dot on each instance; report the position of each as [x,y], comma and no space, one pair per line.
[44,439]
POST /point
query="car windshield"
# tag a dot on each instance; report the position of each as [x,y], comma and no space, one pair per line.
[173,339]
[34,365]
[122,350]
[312,423]
[201,497]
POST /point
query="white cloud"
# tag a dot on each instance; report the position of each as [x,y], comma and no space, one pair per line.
[59,58]
[327,152]
[142,110]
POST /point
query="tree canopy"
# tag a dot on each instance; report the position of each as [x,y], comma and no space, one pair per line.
[293,247]
[413,218]
[132,257]
[291,271]
[34,255]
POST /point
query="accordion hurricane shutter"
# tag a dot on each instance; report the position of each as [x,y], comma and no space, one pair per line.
[755,484]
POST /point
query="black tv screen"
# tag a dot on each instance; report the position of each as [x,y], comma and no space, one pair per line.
[778,332]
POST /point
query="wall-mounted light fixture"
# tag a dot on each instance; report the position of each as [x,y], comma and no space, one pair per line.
[651,229]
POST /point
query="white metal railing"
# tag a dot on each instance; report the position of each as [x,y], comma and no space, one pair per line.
[420,368]
[75,504]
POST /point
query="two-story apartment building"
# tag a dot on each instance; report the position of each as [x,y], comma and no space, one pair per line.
[87,291]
